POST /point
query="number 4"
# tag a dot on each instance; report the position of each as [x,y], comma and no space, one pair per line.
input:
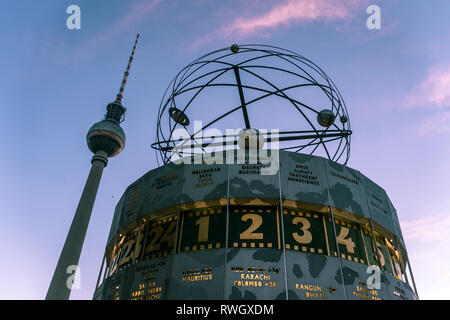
[348,243]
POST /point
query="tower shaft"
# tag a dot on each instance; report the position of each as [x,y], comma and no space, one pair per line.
[60,286]
[105,139]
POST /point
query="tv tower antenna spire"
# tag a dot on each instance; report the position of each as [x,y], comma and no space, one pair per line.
[105,139]
[127,72]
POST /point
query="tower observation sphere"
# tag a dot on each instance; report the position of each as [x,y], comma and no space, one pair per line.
[107,135]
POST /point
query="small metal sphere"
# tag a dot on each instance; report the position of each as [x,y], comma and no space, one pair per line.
[234,48]
[325,118]
[344,118]
[106,136]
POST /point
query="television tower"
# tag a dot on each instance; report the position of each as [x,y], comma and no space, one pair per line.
[105,139]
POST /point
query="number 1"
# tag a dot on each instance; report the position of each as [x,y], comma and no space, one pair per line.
[203,227]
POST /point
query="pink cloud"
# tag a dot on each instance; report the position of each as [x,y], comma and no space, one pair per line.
[138,12]
[431,229]
[434,90]
[285,13]
[435,125]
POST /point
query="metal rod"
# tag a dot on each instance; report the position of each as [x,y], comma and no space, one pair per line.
[412,276]
[101,269]
[234,142]
[281,215]
[335,235]
[374,243]
[241,96]
[227,229]
[407,263]
[337,246]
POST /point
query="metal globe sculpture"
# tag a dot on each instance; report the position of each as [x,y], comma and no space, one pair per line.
[252,87]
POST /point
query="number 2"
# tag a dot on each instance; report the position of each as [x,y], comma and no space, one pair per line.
[256,223]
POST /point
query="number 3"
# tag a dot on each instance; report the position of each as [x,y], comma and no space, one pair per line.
[307,236]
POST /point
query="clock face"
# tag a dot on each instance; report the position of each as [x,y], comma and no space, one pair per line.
[189,246]
[252,227]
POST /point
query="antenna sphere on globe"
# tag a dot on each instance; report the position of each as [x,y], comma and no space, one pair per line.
[234,48]
[325,118]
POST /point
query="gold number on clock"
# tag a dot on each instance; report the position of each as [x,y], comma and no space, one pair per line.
[383,261]
[249,234]
[348,243]
[114,260]
[307,236]
[169,235]
[154,244]
[127,249]
[138,247]
[161,236]
[203,227]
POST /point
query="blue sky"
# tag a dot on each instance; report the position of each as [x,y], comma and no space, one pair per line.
[55,83]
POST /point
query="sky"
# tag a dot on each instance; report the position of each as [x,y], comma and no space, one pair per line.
[56,82]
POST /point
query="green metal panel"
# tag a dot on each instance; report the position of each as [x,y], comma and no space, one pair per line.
[197,275]
[313,276]
[355,278]
[151,278]
[162,188]
[112,287]
[246,181]
[396,223]
[204,182]
[133,200]
[378,204]
[399,289]
[255,274]
[346,189]
[303,178]
[117,214]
